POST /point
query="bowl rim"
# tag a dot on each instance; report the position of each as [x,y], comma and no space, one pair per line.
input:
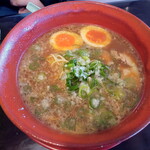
[2,61]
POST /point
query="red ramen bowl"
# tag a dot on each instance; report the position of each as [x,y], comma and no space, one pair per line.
[26,31]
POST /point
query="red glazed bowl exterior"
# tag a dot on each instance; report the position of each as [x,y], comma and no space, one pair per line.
[42,21]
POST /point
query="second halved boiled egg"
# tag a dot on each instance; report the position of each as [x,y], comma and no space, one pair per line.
[65,40]
[95,36]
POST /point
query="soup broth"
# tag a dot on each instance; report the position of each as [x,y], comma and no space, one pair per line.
[80,78]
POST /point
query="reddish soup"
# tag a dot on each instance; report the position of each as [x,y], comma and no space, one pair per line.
[80,78]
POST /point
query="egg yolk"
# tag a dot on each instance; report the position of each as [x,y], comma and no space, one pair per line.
[64,40]
[96,36]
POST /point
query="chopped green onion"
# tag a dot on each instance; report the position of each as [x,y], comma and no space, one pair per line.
[41,76]
[54,88]
[67,105]
[105,119]
[27,88]
[94,103]
[85,58]
[70,123]
[82,53]
[95,54]
[42,59]
[33,99]
[94,64]
[34,66]
[117,92]
[37,112]
[103,70]
[68,55]
[93,83]
[84,90]
[71,63]
[35,47]
[130,82]
[80,68]
[82,112]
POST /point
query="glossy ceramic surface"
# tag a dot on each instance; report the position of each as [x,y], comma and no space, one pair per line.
[34,25]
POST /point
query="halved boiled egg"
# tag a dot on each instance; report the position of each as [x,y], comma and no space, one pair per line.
[95,36]
[65,40]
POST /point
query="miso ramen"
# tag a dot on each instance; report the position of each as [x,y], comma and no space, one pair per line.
[80,78]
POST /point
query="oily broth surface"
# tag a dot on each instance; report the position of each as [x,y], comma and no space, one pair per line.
[49,100]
